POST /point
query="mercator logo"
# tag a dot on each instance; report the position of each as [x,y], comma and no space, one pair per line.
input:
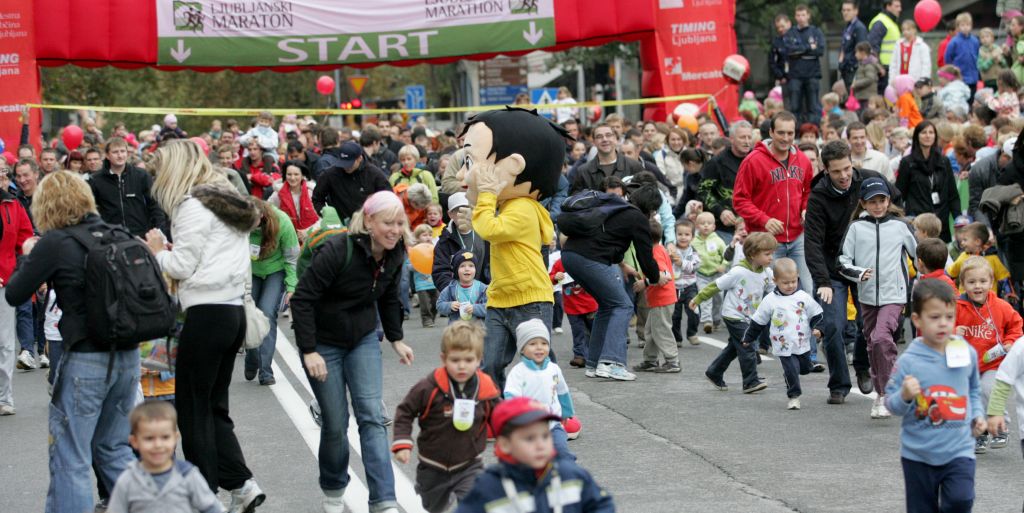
[188,15]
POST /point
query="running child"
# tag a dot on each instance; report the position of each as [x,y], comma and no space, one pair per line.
[452,406]
[711,249]
[661,301]
[466,297]
[875,251]
[685,262]
[424,283]
[935,389]
[744,286]
[932,254]
[580,307]
[991,326]
[794,317]
[157,482]
[976,241]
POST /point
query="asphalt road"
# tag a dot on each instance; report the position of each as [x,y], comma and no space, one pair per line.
[665,443]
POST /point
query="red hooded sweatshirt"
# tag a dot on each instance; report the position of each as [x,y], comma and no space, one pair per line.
[766,189]
[994,321]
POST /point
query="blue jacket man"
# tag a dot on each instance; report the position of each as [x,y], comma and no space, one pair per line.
[855,32]
[804,44]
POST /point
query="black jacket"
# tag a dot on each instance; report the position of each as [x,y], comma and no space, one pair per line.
[717,179]
[335,305]
[828,215]
[1013,173]
[855,32]
[448,244]
[984,174]
[804,61]
[126,199]
[610,244]
[777,59]
[346,191]
[58,259]
[919,177]
[590,176]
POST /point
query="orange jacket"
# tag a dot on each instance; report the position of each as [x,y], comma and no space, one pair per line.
[995,321]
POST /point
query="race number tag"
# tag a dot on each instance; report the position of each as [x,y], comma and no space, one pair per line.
[935,198]
[254,251]
[958,353]
[462,414]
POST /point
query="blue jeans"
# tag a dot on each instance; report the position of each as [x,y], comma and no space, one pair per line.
[500,340]
[614,307]
[733,350]
[804,101]
[795,250]
[267,293]
[581,326]
[89,423]
[30,327]
[357,371]
[833,324]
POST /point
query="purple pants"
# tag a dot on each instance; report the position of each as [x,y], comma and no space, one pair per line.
[880,325]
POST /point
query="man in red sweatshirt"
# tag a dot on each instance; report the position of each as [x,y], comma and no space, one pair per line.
[771,193]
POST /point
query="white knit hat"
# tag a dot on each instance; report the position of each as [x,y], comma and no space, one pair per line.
[170,118]
[529,330]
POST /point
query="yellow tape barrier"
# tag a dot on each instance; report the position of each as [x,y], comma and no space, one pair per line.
[339,112]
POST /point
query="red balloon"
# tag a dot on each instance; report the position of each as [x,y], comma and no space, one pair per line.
[595,113]
[735,69]
[72,137]
[927,14]
[10,158]
[325,85]
[202,144]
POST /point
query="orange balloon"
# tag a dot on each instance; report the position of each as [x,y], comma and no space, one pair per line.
[688,122]
[422,257]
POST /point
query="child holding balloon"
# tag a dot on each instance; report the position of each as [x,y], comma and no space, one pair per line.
[422,282]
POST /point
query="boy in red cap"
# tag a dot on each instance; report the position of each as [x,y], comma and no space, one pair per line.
[527,474]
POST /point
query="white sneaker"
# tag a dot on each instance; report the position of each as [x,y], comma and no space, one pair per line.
[246,498]
[334,504]
[876,408]
[559,331]
[614,371]
[26,361]
[883,412]
[6,409]
[794,404]
[590,373]
[44,362]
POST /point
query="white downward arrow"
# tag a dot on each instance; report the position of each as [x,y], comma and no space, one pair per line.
[533,35]
[181,53]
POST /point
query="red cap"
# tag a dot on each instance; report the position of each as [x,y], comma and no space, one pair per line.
[519,411]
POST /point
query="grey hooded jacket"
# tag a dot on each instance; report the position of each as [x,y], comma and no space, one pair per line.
[184,492]
[881,245]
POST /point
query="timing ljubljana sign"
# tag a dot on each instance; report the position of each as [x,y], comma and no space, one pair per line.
[317,32]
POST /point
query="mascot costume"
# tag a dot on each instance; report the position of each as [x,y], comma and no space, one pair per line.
[513,160]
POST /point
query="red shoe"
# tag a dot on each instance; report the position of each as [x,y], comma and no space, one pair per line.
[572,427]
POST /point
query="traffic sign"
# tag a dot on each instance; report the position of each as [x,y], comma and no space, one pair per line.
[500,95]
[416,97]
[358,82]
[544,96]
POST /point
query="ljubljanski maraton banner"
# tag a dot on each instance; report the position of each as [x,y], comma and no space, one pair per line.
[19,76]
[198,33]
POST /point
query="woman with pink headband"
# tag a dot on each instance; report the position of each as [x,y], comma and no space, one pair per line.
[353,279]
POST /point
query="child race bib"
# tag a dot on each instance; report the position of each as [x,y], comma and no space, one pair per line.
[958,353]
[462,414]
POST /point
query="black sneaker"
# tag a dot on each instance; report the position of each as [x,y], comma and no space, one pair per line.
[981,444]
[998,441]
[817,367]
[668,368]
[718,383]
[836,398]
[268,382]
[250,374]
[864,383]
[756,387]
[647,367]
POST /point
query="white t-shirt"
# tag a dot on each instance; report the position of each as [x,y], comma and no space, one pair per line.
[743,290]
[1012,371]
[789,321]
[53,315]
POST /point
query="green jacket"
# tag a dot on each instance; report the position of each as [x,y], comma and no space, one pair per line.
[284,258]
[418,175]
[712,253]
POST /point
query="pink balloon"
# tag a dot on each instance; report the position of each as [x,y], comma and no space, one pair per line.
[202,144]
[72,137]
[890,94]
[927,14]
[10,158]
[325,85]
